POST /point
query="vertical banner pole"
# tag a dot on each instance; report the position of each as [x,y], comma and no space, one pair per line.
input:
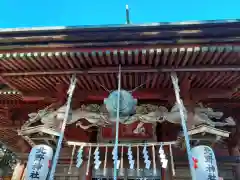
[127,15]
[174,79]
[117,123]
[60,139]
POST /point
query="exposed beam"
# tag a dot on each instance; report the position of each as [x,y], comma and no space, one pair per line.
[10,127]
[214,97]
[17,103]
[185,87]
[4,81]
[224,105]
[167,94]
[222,101]
[128,69]
[107,47]
[61,92]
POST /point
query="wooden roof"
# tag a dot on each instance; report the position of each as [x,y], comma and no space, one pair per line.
[212,69]
[183,33]
[35,65]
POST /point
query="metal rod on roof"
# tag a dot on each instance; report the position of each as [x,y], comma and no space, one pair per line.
[127,15]
[129,69]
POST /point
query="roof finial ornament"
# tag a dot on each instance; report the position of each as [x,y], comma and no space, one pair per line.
[127,15]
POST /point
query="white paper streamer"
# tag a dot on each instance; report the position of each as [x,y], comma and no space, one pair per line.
[79,157]
[130,157]
[97,161]
[162,156]
[146,157]
[115,156]
[118,164]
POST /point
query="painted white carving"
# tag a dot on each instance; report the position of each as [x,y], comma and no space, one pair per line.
[97,115]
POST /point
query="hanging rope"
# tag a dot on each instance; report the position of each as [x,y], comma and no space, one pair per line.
[72,143]
[89,160]
[59,145]
[121,166]
[183,120]
[154,160]
[105,161]
[71,161]
[172,161]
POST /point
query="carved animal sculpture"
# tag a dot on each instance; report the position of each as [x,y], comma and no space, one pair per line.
[146,113]
[201,115]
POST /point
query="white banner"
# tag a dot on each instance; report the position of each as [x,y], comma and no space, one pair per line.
[39,162]
[205,166]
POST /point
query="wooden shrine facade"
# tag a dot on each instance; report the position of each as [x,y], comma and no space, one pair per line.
[36,66]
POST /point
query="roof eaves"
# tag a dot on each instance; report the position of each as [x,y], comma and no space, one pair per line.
[88,27]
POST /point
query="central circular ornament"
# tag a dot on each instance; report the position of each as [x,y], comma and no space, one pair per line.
[127,104]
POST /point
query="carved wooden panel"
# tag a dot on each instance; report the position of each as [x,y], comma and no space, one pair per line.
[73,133]
[146,132]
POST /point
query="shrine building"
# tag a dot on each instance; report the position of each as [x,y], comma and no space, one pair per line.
[36,66]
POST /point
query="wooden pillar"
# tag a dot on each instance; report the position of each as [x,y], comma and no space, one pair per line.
[166,135]
[23,146]
[233,148]
[61,93]
[234,151]
[163,173]
[18,171]
[170,171]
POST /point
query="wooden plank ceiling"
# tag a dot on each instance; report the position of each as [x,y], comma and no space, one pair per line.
[39,72]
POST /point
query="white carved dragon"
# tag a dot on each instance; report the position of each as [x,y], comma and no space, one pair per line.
[97,115]
[145,113]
